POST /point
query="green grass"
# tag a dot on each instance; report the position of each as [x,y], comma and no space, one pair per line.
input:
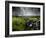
[18,23]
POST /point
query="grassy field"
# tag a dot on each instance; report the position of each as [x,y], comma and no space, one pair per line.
[19,23]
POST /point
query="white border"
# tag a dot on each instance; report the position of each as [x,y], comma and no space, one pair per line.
[25,32]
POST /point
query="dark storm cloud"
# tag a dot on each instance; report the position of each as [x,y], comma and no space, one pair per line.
[25,11]
[16,11]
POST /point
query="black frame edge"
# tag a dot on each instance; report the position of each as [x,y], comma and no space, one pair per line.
[6,19]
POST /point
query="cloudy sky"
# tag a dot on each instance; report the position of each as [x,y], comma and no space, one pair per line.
[25,11]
